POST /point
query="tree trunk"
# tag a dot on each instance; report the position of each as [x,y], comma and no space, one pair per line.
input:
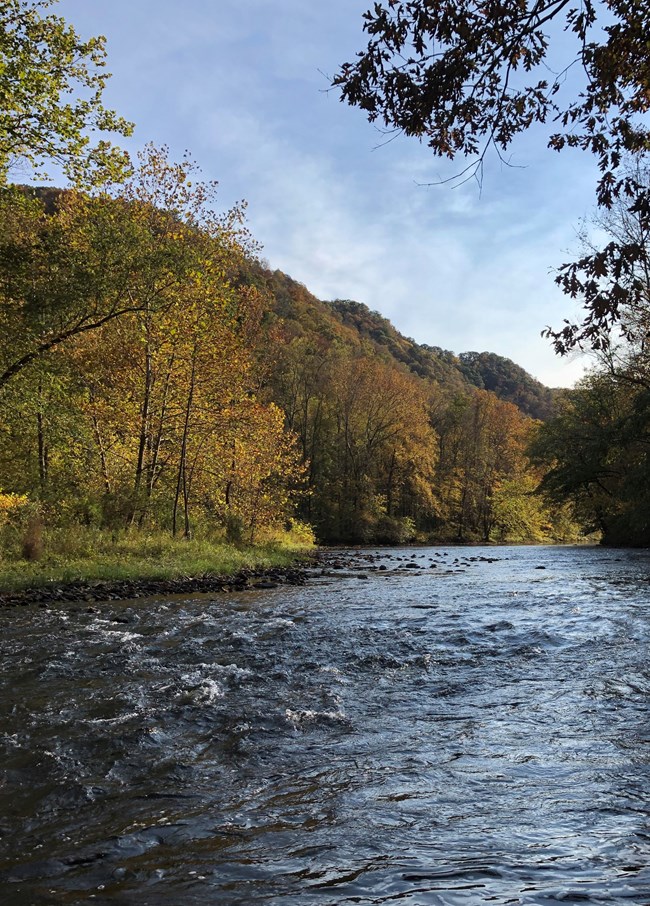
[144,433]
[102,455]
[181,481]
[42,453]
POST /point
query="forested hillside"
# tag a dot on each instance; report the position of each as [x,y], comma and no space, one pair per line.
[158,375]
[509,382]
[294,303]
[158,379]
[400,440]
[128,371]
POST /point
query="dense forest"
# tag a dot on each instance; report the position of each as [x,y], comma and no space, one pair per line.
[399,440]
[129,380]
[155,374]
[158,375]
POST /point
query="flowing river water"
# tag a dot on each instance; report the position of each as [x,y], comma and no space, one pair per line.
[462,726]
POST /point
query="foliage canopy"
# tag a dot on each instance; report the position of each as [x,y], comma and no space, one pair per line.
[51,86]
[154,376]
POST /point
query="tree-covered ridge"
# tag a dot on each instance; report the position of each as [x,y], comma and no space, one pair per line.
[487,371]
[353,322]
[509,382]
[425,361]
[397,441]
[156,375]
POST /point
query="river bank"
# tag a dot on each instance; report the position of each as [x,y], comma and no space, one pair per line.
[306,563]
[303,564]
[97,567]
[88,591]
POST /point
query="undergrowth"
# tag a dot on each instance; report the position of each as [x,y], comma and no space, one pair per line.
[79,554]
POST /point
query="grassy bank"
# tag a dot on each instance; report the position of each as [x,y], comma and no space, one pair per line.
[97,556]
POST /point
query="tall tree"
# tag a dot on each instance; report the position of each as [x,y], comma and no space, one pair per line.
[625,353]
[595,453]
[382,451]
[129,375]
[482,447]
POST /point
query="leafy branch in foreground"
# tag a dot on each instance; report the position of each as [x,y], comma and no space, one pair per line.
[51,86]
[470,76]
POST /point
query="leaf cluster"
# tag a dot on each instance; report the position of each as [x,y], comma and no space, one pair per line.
[51,86]
[471,75]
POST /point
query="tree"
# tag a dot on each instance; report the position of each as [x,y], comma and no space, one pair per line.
[627,357]
[51,85]
[71,262]
[482,451]
[131,378]
[595,454]
[176,433]
[382,452]
[71,269]
[471,75]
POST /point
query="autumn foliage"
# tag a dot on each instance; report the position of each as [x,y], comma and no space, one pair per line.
[156,377]
[130,379]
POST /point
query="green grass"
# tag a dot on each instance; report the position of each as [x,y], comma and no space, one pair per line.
[96,556]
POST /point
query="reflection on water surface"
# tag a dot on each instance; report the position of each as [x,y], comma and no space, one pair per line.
[470,729]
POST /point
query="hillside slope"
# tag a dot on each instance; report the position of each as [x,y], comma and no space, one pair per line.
[353,322]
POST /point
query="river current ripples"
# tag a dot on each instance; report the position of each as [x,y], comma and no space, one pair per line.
[474,730]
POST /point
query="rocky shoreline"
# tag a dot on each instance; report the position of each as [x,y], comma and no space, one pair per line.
[90,591]
[333,563]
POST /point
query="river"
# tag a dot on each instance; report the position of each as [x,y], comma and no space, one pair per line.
[461,726]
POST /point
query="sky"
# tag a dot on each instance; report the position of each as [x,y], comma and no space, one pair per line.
[243,86]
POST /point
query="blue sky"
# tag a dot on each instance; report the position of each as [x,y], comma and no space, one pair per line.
[242,85]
